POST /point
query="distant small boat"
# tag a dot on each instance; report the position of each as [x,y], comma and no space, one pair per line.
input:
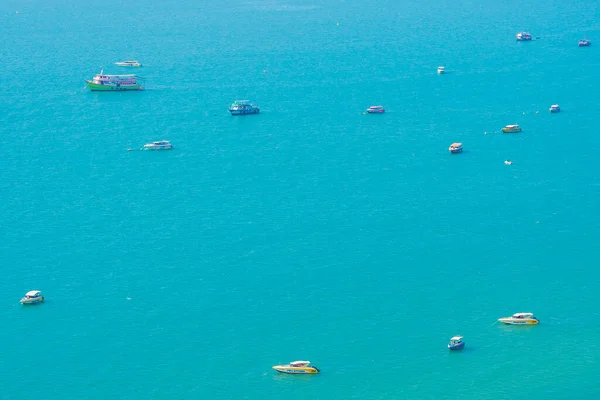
[523,36]
[160,145]
[441,70]
[508,162]
[455,148]
[129,63]
[376,110]
[584,43]
[554,108]
[456,343]
[32,297]
[297,367]
[243,107]
[511,129]
[524,318]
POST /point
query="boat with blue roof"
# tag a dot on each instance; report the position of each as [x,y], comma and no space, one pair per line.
[243,107]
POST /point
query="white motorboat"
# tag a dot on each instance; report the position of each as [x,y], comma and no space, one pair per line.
[524,318]
[32,297]
[128,63]
[160,145]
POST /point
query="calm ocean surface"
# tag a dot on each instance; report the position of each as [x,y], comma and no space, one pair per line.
[309,231]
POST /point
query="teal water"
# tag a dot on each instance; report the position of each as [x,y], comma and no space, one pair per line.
[310,231]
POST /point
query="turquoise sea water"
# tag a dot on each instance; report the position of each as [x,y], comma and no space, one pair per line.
[309,231]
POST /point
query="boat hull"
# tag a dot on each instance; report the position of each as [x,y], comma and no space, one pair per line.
[32,301]
[511,130]
[375,112]
[296,370]
[156,148]
[244,112]
[513,321]
[457,346]
[95,87]
[456,151]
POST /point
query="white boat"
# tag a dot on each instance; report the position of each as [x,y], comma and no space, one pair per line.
[128,63]
[375,110]
[455,148]
[507,162]
[554,108]
[243,107]
[523,318]
[160,145]
[32,297]
[297,367]
[441,70]
[524,36]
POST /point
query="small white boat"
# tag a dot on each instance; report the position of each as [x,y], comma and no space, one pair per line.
[441,70]
[160,145]
[554,108]
[523,318]
[128,63]
[511,128]
[297,367]
[524,36]
[508,162]
[32,297]
[375,110]
[455,148]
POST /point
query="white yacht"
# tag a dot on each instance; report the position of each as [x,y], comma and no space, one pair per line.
[441,70]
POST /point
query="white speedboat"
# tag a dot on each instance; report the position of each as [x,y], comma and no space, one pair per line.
[524,36]
[128,63]
[523,318]
[160,145]
[32,297]
[375,110]
[441,70]
[297,367]
[455,148]
[554,108]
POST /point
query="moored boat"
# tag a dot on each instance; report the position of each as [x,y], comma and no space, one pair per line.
[441,70]
[584,43]
[160,145]
[554,108]
[243,107]
[455,148]
[297,367]
[511,129]
[456,343]
[376,110]
[102,82]
[128,63]
[524,36]
[520,319]
[32,297]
